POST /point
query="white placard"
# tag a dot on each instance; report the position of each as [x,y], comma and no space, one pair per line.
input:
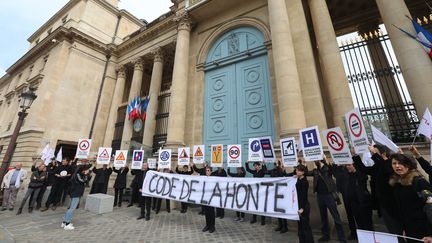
[104,156]
[137,159]
[183,156]
[357,131]
[152,163]
[289,152]
[83,149]
[339,149]
[234,156]
[198,154]
[164,161]
[311,144]
[254,150]
[217,155]
[120,158]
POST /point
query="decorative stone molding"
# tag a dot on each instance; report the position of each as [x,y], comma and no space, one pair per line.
[183,20]
[138,64]
[121,71]
[158,54]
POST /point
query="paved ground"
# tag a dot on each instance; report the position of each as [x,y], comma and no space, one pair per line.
[122,226]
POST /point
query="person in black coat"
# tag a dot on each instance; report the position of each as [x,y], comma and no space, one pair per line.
[408,186]
[202,172]
[380,173]
[302,187]
[120,184]
[220,212]
[62,175]
[209,211]
[278,171]
[42,190]
[158,201]
[359,200]
[258,172]
[425,165]
[240,173]
[145,202]
[37,181]
[100,182]
[135,186]
[185,171]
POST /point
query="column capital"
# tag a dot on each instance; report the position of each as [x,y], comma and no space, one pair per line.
[158,54]
[138,64]
[121,71]
[183,20]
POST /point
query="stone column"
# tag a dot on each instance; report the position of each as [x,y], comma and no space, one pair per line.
[306,66]
[336,83]
[134,91]
[415,63]
[290,102]
[115,103]
[155,86]
[177,111]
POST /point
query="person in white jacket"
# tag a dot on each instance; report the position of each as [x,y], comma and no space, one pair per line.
[11,184]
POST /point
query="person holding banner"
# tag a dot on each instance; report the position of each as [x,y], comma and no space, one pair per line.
[209,211]
[145,202]
[409,186]
[240,173]
[100,182]
[201,172]
[259,172]
[302,187]
[167,201]
[278,171]
[425,165]
[120,184]
[220,212]
[185,171]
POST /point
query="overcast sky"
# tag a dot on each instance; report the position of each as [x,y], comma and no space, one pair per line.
[21,18]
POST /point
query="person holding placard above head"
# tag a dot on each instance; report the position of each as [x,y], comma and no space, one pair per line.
[100,182]
[239,173]
[258,172]
[184,171]
[209,211]
[220,212]
[278,171]
[425,165]
[120,184]
[145,202]
[302,187]
[202,172]
[62,174]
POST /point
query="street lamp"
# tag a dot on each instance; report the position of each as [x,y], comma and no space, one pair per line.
[26,99]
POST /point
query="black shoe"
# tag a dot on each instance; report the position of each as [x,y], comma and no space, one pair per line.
[201,213]
[115,205]
[253,221]
[284,230]
[130,205]
[19,211]
[11,209]
[119,205]
[3,209]
[352,237]
[211,230]
[147,218]
[38,207]
[30,210]
[44,209]
[140,217]
[221,217]
[205,229]
[168,211]
[262,222]
[157,211]
[278,228]
[324,239]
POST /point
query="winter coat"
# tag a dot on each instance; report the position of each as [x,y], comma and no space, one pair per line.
[243,174]
[7,178]
[37,179]
[258,174]
[357,191]
[322,179]
[120,181]
[77,185]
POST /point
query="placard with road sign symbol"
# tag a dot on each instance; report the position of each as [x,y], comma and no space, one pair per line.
[104,156]
[357,131]
[339,149]
[311,144]
[217,155]
[120,158]
[83,149]
[289,152]
[254,150]
[198,154]
[267,149]
[234,156]
[152,163]
[137,159]
[164,161]
[183,156]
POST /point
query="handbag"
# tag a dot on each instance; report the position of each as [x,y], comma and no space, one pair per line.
[335,195]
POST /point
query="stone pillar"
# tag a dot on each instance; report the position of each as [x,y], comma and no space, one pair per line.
[290,102]
[135,90]
[336,83]
[415,63]
[177,111]
[306,66]
[155,86]
[115,103]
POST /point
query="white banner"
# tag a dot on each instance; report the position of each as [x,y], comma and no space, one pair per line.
[267,149]
[357,131]
[273,197]
[311,143]
[104,156]
[254,150]
[120,158]
[152,163]
[234,156]
[198,154]
[183,156]
[381,138]
[217,155]
[339,149]
[289,152]
[137,159]
[164,161]
[83,149]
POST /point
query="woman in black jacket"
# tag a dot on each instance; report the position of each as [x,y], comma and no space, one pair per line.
[408,184]
[426,166]
[209,211]
[77,186]
[120,184]
[100,182]
[259,172]
[302,187]
[37,181]
[278,171]
[240,173]
[220,212]
[185,171]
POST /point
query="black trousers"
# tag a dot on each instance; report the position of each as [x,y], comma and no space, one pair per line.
[159,204]
[283,223]
[55,194]
[145,204]
[118,196]
[327,202]
[304,228]
[135,197]
[98,188]
[209,213]
[240,214]
[184,206]
[349,213]
[254,218]
[220,212]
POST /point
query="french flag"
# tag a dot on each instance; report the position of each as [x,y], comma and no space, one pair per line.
[424,37]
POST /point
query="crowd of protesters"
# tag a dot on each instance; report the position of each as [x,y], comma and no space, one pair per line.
[393,187]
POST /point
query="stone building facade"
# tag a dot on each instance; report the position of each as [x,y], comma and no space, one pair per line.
[216,71]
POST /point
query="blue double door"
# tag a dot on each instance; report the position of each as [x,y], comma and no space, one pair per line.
[238,104]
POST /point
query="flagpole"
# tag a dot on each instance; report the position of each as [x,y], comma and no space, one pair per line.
[414,139]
